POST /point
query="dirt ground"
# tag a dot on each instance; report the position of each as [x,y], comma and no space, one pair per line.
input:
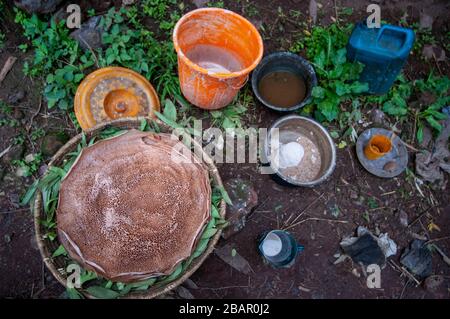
[347,196]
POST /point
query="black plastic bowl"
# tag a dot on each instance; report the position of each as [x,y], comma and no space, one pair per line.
[285,61]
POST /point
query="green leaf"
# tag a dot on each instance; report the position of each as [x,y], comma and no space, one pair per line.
[329,108]
[318,92]
[420,134]
[167,121]
[342,88]
[30,193]
[201,247]
[340,57]
[102,292]
[319,60]
[74,294]
[209,233]
[143,125]
[433,123]
[215,212]
[358,87]
[59,251]
[225,196]
[174,275]
[170,111]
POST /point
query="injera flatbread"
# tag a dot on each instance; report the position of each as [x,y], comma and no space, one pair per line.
[128,211]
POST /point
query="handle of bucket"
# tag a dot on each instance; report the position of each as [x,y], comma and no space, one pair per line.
[300,248]
[238,87]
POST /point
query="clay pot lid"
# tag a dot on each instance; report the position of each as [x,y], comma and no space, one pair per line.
[129,210]
[113,92]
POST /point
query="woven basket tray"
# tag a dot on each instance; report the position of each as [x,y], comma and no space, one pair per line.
[47,247]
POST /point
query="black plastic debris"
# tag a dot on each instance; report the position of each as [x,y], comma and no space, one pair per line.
[417,258]
[365,250]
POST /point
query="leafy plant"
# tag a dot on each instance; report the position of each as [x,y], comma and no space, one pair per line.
[394,102]
[29,165]
[439,89]
[338,78]
[230,116]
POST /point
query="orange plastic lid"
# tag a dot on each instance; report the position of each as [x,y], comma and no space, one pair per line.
[114,92]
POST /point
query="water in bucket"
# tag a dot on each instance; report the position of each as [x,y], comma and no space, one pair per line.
[214,59]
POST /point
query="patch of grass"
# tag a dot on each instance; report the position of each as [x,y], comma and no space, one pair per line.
[29,165]
[216,4]
[159,10]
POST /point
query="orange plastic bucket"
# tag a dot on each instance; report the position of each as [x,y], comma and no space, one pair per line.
[222,38]
[378,146]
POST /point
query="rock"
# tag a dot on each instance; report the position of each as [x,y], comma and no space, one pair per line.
[127,2]
[244,199]
[38,6]
[232,258]
[7,238]
[184,293]
[377,116]
[433,282]
[417,258]
[15,97]
[313,11]
[60,15]
[431,52]
[403,218]
[89,36]
[426,21]
[14,153]
[188,283]
[18,114]
[200,3]
[390,166]
[52,142]
[29,158]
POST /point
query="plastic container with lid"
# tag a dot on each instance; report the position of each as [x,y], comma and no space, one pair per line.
[383,51]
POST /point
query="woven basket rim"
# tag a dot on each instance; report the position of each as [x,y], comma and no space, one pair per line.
[126,123]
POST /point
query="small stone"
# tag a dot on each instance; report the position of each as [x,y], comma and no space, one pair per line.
[89,36]
[38,6]
[431,52]
[7,238]
[244,199]
[353,194]
[15,97]
[200,3]
[426,21]
[390,166]
[14,153]
[433,282]
[188,283]
[29,158]
[18,114]
[52,142]
[22,171]
[184,293]
[377,117]
[403,218]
